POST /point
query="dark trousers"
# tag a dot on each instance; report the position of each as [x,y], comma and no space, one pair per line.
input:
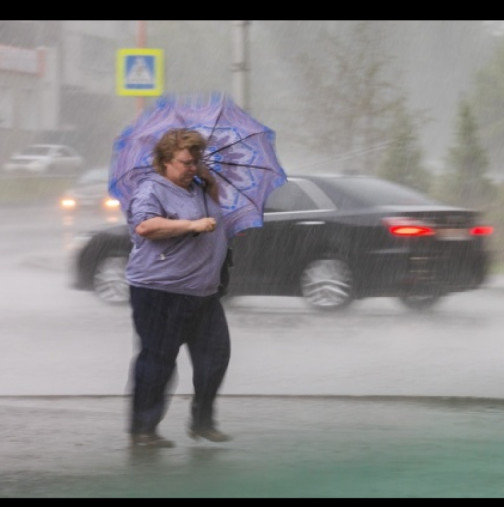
[163,322]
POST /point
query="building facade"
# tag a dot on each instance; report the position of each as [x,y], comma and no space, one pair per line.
[57,84]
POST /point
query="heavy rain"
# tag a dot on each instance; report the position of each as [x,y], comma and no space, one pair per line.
[376,399]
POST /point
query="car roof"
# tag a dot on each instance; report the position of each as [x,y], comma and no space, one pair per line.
[47,145]
[373,190]
[94,174]
[311,176]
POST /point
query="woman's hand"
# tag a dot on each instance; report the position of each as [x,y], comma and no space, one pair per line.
[207,224]
[205,174]
[211,188]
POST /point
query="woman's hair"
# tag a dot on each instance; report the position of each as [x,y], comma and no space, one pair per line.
[175,140]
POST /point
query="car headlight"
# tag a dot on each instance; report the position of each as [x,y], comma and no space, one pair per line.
[68,203]
[110,203]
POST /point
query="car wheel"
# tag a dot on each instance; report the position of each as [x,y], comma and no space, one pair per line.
[420,301]
[327,284]
[109,282]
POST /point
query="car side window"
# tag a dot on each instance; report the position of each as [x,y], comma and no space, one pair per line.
[341,200]
[289,197]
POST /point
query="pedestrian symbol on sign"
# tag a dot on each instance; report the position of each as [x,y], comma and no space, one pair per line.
[139,71]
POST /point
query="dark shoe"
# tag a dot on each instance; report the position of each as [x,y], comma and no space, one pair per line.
[150,440]
[212,434]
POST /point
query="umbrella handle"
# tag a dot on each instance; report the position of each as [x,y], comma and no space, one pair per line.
[201,183]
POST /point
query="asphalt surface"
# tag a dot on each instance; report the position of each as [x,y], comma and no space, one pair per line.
[282,447]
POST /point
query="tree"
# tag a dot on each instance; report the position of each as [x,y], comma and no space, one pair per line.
[402,159]
[495,217]
[466,182]
[487,101]
[353,93]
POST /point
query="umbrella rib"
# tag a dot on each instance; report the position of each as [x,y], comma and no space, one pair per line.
[236,164]
[235,142]
[115,182]
[229,182]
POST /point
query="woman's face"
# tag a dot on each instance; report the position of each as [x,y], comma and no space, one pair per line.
[181,169]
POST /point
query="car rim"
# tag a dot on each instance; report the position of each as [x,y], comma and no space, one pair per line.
[327,283]
[109,281]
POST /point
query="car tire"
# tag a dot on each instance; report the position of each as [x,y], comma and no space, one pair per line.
[420,301]
[109,282]
[327,284]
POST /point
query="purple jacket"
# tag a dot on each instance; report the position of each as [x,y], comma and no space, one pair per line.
[185,264]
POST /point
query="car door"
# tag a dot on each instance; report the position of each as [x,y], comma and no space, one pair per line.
[256,259]
[267,259]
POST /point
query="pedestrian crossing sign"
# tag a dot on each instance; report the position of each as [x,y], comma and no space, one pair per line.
[139,72]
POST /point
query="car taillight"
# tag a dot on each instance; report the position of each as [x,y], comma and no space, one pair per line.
[401,226]
[481,230]
[410,230]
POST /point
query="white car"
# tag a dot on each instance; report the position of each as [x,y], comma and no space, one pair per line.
[39,159]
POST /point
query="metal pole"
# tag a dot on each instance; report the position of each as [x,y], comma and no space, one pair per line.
[141,42]
[240,64]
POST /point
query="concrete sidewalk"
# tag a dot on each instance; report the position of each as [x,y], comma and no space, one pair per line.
[282,447]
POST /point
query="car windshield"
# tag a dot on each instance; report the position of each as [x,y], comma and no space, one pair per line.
[99,175]
[357,192]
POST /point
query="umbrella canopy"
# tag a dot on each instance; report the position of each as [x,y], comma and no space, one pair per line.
[240,151]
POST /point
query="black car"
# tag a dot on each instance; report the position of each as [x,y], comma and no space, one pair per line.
[332,239]
[89,198]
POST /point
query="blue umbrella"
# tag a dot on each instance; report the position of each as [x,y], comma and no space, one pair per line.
[240,152]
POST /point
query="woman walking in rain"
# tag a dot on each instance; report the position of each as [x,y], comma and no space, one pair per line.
[179,247]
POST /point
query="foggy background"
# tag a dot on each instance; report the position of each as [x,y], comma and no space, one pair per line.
[392,98]
[295,81]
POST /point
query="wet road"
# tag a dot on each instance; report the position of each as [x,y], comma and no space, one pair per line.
[63,341]
[283,447]
[375,402]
